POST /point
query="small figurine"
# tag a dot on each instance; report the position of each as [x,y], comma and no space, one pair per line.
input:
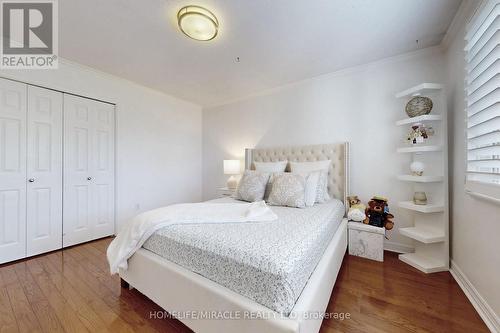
[356,209]
[419,133]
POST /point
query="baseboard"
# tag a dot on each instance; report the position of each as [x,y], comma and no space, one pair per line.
[489,317]
[398,247]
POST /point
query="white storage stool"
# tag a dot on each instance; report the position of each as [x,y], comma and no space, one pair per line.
[366,241]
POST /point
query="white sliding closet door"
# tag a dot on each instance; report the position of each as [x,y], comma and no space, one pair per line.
[89,170]
[12,170]
[44,171]
[77,208]
[103,191]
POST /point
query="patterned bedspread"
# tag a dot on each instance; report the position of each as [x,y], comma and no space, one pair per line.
[268,262]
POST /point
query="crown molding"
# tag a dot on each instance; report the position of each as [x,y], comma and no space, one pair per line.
[341,72]
[72,65]
[109,76]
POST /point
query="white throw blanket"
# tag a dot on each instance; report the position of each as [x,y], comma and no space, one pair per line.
[139,229]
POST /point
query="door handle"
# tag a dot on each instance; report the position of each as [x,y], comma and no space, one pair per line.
[89,178]
[31,180]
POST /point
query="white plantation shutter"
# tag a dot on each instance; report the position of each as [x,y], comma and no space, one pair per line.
[482,88]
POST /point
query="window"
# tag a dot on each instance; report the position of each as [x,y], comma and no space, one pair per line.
[482,91]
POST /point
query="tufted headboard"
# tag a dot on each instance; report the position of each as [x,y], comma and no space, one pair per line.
[338,153]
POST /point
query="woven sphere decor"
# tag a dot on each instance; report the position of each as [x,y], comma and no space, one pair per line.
[418,106]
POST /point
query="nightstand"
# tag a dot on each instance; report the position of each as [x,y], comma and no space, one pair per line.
[225,192]
[366,241]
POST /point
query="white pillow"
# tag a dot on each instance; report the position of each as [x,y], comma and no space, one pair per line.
[323,167]
[311,190]
[269,185]
[270,167]
[322,193]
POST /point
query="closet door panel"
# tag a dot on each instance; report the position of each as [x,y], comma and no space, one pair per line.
[78,211]
[103,166]
[12,170]
[44,146]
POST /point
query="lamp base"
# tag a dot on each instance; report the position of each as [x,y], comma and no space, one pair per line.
[232,183]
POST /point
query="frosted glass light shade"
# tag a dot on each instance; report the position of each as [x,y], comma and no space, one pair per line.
[197,23]
[231,167]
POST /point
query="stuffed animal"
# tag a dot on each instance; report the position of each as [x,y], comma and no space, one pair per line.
[356,209]
[377,213]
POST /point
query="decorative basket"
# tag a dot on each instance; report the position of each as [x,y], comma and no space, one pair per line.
[418,106]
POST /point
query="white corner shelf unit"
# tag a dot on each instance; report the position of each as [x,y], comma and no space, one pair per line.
[430,230]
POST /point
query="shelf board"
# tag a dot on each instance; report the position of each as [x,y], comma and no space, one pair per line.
[424,235]
[419,149]
[419,119]
[421,179]
[424,264]
[420,89]
[429,208]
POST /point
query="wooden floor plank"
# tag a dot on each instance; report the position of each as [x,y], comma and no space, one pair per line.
[86,315]
[429,300]
[47,318]
[67,316]
[121,305]
[107,315]
[72,290]
[100,269]
[394,297]
[101,245]
[23,312]
[8,321]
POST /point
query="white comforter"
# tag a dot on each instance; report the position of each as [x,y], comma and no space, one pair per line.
[139,229]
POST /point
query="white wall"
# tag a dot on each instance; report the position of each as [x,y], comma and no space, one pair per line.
[355,105]
[475,224]
[158,148]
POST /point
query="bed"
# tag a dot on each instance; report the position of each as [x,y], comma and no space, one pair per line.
[219,278]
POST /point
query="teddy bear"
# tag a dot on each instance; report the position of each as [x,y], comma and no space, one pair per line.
[377,213]
[356,210]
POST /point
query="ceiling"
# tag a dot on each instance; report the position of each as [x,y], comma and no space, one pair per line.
[277,41]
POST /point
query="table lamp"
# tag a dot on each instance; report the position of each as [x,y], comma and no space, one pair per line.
[232,167]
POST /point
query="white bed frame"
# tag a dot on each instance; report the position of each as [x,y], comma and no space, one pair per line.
[193,298]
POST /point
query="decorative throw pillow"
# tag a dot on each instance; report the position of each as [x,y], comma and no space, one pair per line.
[252,186]
[270,182]
[288,190]
[274,168]
[323,166]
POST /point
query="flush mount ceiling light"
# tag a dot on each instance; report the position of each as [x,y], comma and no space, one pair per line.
[197,23]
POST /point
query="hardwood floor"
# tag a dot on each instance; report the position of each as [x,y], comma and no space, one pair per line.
[72,291]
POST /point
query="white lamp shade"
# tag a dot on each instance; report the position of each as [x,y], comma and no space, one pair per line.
[231,167]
